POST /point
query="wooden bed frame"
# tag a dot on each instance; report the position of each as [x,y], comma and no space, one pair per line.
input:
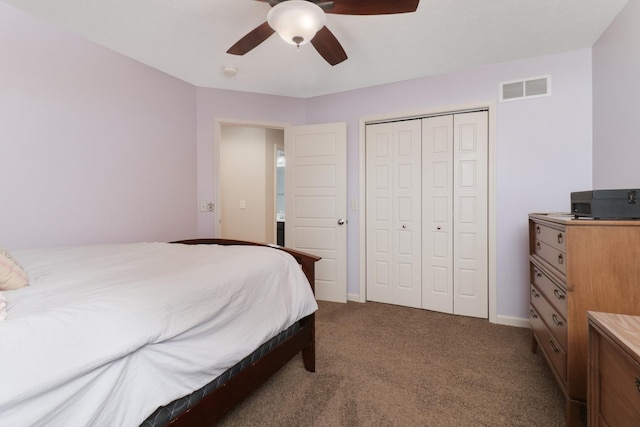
[218,403]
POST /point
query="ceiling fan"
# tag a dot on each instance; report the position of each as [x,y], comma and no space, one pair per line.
[282,16]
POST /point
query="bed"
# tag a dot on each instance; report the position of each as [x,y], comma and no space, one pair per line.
[151,333]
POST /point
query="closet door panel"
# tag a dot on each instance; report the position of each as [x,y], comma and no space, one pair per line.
[379,213]
[437,215]
[407,223]
[393,221]
[470,189]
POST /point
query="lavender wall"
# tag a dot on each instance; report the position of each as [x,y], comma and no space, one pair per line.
[543,149]
[95,147]
[616,102]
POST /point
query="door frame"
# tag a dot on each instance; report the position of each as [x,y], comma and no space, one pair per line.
[217,141]
[490,106]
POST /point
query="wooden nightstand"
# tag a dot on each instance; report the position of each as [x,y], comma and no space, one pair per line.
[614,370]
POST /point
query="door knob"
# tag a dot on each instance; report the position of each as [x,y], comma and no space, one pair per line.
[341,221]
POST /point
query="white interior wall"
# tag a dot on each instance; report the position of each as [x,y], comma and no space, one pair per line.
[242,183]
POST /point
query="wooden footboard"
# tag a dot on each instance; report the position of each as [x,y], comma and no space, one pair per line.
[218,403]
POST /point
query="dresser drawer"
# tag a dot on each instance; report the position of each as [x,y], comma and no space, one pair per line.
[552,256]
[552,291]
[551,236]
[555,322]
[554,352]
[619,386]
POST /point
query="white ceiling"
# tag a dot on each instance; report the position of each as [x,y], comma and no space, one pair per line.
[188,39]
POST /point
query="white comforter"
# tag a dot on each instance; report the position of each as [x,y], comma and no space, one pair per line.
[106,334]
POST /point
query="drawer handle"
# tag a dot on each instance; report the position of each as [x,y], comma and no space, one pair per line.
[537,229]
[556,320]
[638,384]
[553,346]
[533,314]
[538,245]
[534,293]
[560,238]
[558,294]
[537,273]
[560,259]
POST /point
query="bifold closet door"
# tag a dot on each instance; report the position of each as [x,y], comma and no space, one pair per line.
[393,223]
[454,212]
[437,213]
[470,214]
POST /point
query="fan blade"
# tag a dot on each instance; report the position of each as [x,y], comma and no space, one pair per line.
[252,39]
[373,7]
[328,46]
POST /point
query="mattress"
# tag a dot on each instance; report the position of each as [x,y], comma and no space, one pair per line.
[165,414]
[104,335]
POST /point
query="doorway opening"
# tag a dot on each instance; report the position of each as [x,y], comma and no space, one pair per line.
[249,159]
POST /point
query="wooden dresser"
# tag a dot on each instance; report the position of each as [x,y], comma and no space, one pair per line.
[614,370]
[578,265]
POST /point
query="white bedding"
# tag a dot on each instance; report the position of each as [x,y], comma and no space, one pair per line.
[103,335]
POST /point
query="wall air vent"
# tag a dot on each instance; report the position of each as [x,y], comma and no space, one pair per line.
[535,87]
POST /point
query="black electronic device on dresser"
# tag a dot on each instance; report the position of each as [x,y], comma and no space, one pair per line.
[606,204]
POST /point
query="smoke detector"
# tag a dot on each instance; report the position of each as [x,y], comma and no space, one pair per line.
[229,71]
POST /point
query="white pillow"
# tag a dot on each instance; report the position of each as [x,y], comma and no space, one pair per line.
[12,275]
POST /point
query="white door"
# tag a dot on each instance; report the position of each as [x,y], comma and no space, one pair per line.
[316,202]
[470,215]
[437,213]
[393,213]
[444,212]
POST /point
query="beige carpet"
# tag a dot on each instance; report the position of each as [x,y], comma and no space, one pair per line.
[384,365]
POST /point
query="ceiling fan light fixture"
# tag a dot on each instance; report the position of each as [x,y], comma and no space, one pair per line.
[296,21]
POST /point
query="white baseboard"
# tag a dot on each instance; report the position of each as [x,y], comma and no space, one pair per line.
[513,321]
[353,297]
[518,322]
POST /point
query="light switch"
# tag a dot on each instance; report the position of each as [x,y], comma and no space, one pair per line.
[203,206]
[243,204]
